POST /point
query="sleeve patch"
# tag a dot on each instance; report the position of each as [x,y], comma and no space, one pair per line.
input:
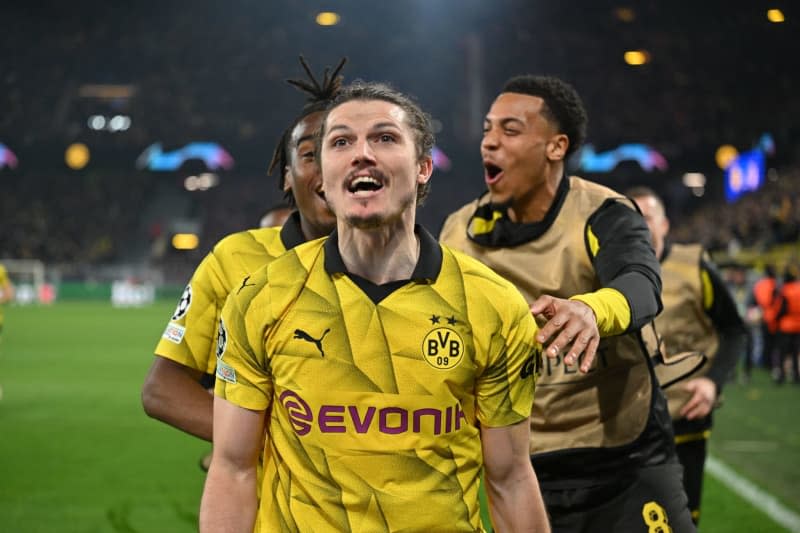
[183,303]
[174,333]
[222,339]
[225,372]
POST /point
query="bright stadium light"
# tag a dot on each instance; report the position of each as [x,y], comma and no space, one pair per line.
[637,57]
[694,179]
[775,15]
[77,156]
[185,241]
[206,180]
[119,123]
[725,154]
[327,18]
[97,122]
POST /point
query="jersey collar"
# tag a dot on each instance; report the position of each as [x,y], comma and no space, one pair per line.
[490,226]
[292,231]
[428,266]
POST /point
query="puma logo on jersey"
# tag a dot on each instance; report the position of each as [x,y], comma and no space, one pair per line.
[245,284]
[302,335]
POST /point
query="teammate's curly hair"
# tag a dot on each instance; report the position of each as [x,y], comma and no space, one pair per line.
[563,105]
[320,95]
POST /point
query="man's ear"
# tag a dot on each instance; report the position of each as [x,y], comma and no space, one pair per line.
[425,169]
[287,185]
[557,147]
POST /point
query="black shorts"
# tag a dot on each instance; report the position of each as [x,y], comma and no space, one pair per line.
[648,500]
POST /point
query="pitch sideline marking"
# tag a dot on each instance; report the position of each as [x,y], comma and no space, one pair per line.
[756,496]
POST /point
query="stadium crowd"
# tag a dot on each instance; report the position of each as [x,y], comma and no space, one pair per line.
[229,89]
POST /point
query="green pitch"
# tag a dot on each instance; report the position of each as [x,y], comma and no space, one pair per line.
[77,453]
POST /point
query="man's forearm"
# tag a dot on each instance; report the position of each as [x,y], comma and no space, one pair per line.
[229,503]
[172,394]
[517,505]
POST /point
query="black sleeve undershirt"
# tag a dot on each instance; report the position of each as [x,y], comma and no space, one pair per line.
[625,260]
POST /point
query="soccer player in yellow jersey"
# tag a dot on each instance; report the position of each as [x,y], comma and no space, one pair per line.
[175,390]
[699,317]
[387,371]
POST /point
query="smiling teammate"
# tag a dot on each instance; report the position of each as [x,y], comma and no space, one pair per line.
[175,390]
[601,437]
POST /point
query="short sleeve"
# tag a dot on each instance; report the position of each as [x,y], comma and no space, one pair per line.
[505,388]
[243,376]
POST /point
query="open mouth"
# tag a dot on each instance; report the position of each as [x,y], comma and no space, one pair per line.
[493,172]
[364,185]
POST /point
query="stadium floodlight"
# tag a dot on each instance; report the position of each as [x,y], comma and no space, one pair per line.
[119,123]
[775,16]
[636,58]
[185,241]
[694,179]
[97,122]
[206,180]
[724,155]
[77,156]
[327,18]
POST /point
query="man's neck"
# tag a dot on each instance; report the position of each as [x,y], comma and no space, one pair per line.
[535,207]
[380,255]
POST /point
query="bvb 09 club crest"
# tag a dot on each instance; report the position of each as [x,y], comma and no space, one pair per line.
[443,348]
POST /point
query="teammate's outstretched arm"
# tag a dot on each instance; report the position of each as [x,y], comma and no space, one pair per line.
[515,500]
[229,503]
[172,393]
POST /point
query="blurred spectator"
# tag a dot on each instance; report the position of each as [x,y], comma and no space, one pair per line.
[765,299]
[789,326]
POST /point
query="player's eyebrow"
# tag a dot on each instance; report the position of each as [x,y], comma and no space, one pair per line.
[385,125]
[304,138]
[504,121]
[372,127]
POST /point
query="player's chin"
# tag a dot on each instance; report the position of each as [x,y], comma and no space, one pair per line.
[498,196]
[366,220]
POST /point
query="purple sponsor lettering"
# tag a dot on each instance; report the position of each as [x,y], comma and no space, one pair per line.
[391,420]
[383,417]
[331,414]
[361,425]
[437,419]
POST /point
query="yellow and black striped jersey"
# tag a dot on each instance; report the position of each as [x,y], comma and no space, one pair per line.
[190,335]
[375,393]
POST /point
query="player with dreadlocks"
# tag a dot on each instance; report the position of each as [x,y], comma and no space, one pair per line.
[176,390]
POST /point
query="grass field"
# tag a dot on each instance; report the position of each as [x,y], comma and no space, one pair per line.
[77,454]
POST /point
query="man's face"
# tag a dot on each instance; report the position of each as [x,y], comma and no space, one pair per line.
[518,148]
[369,163]
[656,220]
[303,176]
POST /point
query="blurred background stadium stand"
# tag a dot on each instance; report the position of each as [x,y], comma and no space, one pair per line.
[86,89]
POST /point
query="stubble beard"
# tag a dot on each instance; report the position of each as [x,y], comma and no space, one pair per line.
[378,220]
